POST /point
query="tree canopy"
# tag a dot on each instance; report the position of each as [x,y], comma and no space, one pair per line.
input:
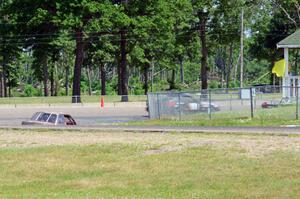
[125,47]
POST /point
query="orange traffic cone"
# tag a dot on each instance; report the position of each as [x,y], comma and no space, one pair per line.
[102,102]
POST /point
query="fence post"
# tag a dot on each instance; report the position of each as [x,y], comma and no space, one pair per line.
[251,102]
[200,98]
[179,100]
[297,102]
[158,105]
[209,105]
[230,102]
[148,106]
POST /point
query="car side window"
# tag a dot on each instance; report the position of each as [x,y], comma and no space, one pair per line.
[61,119]
[52,118]
[44,117]
[40,117]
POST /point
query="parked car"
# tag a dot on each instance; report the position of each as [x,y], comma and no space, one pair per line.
[50,119]
[203,107]
[190,102]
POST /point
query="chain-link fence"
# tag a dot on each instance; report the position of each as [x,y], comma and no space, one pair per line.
[264,102]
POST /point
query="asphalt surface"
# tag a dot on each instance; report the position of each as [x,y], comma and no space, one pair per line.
[92,117]
[85,115]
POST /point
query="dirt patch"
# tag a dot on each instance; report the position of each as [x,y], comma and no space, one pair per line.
[170,148]
[252,146]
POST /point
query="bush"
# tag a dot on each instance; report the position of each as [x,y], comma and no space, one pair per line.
[214,84]
[30,91]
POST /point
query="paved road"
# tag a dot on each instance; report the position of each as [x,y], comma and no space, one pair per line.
[87,115]
[91,117]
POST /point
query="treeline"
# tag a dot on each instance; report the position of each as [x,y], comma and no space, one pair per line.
[132,47]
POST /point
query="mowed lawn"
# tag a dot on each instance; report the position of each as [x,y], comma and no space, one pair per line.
[54,164]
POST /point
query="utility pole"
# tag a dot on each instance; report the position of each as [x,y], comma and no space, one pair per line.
[242,49]
[152,76]
[2,87]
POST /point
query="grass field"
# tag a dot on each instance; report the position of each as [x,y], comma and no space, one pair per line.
[68,99]
[281,115]
[52,164]
[244,121]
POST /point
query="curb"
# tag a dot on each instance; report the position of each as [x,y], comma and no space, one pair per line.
[108,105]
[276,131]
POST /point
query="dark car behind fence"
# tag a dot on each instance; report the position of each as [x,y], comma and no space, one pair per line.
[263,102]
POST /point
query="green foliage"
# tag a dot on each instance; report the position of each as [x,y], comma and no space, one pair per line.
[135,86]
[30,91]
[84,86]
[39,38]
[233,84]
[112,85]
[214,84]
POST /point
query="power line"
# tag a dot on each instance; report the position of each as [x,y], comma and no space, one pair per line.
[49,40]
[46,36]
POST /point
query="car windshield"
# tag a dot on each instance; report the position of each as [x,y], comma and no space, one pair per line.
[69,120]
[43,117]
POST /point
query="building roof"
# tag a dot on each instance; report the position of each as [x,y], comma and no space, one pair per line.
[292,41]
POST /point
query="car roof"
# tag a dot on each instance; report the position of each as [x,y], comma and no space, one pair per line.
[57,113]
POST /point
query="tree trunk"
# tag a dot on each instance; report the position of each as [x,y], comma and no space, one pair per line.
[56,86]
[229,65]
[67,80]
[273,79]
[119,75]
[122,73]
[103,79]
[52,82]
[8,84]
[45,75]
[161,73]
[78,64]
[222,79]
[147,66]
[204,51]
[1,85]
[88,72]
[172,83]
[123,68]
[4,69]
[4,76]
[181,70]
[236,68]
[5,84]
[152,76]
[146,71]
